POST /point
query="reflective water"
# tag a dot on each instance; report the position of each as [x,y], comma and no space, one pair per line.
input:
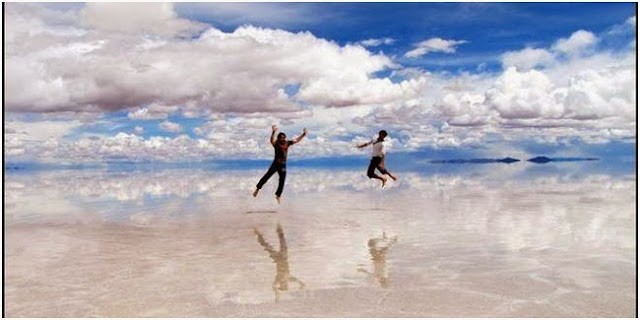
[174,243]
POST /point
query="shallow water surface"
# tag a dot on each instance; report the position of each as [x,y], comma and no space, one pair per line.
[195,243]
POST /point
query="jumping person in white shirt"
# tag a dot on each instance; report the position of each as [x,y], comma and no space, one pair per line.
[377,158]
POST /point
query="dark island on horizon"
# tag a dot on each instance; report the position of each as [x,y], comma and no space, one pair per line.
[543,159]
[460,161]
[509,160]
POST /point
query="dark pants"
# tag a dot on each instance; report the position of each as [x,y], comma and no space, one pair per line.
[376,163]
[281,169]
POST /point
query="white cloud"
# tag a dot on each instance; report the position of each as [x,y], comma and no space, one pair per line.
[40,131]
[170,127]
[376,42]
[629,26]
[36,139]
[133,147]
[465,109]
[144,114]
[13,145]
[137,18]
[30,20]
[524,95]
[580,94]
[602,93]
[434,45]
[154,111]
[632,21]
[583,97]
[579,42]
[352,93]
[527,58]
[64,64]
[114,67]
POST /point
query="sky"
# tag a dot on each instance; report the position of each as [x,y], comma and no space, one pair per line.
[175,82]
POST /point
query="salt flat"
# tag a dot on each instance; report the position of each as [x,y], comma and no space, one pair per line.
[174,243]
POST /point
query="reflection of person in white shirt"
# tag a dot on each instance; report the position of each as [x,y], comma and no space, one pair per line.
[377,158]
[378,248]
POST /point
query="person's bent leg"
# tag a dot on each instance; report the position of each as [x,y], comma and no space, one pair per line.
[383,170]
[375,162]
[371,171]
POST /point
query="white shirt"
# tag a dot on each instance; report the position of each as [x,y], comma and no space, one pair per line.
[378,147]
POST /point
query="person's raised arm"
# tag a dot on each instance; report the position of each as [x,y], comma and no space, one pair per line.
[283,241]
[294,279]
[274,128]
[364,145]
[304,134]
[267,247]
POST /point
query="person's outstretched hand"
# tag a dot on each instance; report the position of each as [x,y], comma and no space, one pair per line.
[274,128]
[305,131]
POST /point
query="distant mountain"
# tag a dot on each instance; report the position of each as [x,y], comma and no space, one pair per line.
[461,161]
[508,160]
[540,159]
[543,159]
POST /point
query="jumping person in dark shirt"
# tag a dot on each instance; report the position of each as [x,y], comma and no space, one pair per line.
[281,146]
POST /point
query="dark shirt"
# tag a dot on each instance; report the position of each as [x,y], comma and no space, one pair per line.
[281,150]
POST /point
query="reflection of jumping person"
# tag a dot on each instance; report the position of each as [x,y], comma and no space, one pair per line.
[281,259]
[279,164]
[378,248]
[377,158]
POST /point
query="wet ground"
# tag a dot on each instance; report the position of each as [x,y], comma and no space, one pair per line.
[194,243]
